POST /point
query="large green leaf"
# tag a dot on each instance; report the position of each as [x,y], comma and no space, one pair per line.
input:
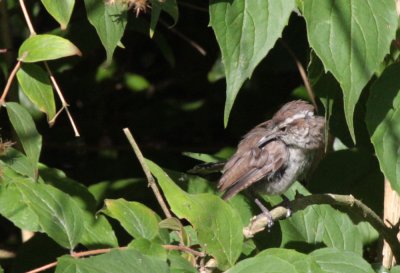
[46,47]
[116,261]
[36,85]
[277,260]
[97,231]
[218,225]
[351,38]
[53,211]
[137,219]
[25,128]
[333,260]
[109,20]
[60,10]
[246,31]
[382,118]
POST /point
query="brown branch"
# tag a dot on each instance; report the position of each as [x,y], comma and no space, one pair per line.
[259,222]
[9,82]
[27,18]
[106,250]
[149,176]
[64,103]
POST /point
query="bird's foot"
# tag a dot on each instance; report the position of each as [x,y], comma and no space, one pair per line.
[266,213]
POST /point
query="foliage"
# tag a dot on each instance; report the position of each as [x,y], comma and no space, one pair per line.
[351,50]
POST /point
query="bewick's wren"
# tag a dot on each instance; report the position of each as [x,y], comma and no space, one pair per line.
[276,152]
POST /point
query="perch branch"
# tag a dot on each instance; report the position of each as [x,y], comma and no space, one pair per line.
[259,222]
[149,176]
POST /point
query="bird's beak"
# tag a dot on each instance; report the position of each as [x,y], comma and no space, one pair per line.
[266,139]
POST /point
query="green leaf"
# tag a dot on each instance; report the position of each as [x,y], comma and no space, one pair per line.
[382,119]
[333,260]
[116,261]
[137,219]
[55,212]
[25,128]
[169,6]
[320,223]
[12,205]
[246,31]
[19,163]
[178,264]
[150,248]
[136,82]
[277,260]
[109,20]
[60,10]
[97,231]
[218,225]
[46,47]
[36,85]
[351,38]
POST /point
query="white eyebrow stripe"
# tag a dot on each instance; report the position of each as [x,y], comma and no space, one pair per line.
[299,115]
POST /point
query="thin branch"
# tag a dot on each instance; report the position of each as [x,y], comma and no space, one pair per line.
[106,250]
[194,44]
[259,222]
[27,18]
[3,50]
[9,82]
[65,105]
[303,75]
[149,176]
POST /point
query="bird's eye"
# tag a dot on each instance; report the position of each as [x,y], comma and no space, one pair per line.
[283,129]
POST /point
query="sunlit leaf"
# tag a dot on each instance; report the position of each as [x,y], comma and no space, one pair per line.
[351,38]
[60,10]
[109,20]
[46,47]
[333,260]
[246,31]
[136,218]
[36,85]
[218,225]
[25,128]
[116,261]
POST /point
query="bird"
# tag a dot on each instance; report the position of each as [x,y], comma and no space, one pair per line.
[276,153]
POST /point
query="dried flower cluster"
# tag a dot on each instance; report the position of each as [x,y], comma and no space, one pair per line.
[138,6]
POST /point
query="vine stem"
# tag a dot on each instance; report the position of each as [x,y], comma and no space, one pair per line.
[106,250]
[259,222]
[149,176]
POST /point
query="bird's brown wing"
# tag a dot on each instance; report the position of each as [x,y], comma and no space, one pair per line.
[251,163]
